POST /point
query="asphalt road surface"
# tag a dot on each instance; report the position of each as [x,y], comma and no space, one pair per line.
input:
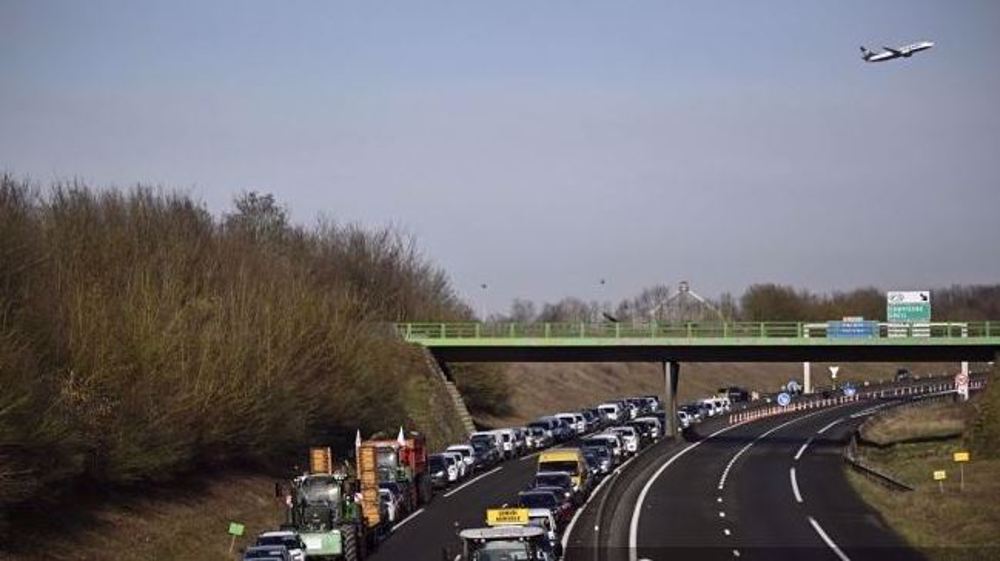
[771,489]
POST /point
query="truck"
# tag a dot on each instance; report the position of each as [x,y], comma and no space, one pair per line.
[402,461]
[324,510]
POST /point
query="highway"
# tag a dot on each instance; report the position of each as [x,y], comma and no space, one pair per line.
[768,489]
[424,536]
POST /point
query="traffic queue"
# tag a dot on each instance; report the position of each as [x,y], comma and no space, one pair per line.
[345,512]
[587,445]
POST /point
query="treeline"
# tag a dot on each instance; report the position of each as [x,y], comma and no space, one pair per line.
[141,337]
[760,302]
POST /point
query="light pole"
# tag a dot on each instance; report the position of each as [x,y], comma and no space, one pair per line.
[482,303]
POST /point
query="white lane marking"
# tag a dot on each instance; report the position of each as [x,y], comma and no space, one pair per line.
[803,449]
[718,500]
[828,427]
[736,553]
[633,530]
[722,514]
[826,538]
[726,531]
[471,481]
[579,511]
[732,461]
[795,485]
[407,519]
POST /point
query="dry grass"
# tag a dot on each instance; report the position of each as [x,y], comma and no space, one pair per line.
[188,524]
[930,421]
[947,526]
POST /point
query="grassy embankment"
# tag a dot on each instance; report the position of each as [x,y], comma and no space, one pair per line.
[539,389]
[911,444]
[145,344]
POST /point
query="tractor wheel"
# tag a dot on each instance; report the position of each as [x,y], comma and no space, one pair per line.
[350,543]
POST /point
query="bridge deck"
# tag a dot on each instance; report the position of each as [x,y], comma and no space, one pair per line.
[705,342]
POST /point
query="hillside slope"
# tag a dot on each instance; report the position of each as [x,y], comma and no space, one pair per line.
[538,389]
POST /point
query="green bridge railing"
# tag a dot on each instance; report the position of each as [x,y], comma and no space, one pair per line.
[927,332]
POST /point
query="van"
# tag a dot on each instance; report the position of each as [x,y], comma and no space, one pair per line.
[569,460]
[575,420]
[508,442]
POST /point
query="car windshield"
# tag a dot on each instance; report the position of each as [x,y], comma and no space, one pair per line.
[462,451]
[538,500]
[568,466]
[288,541]
[436,463]
[553,479]
[483,440]
[502,550]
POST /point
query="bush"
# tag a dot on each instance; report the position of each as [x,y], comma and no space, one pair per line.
[140,337]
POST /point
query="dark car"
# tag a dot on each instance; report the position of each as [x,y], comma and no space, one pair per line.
[602,456]
[735,394]
[903,375]
[438,469]
[601,444]
[559,479]
[561,509]
[486,454]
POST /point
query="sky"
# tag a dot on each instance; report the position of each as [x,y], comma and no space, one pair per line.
[539,147]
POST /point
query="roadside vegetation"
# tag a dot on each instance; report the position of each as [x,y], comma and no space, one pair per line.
[142,339]
[910,444]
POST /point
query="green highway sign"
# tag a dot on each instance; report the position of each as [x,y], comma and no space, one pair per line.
[908,307]
[236,529]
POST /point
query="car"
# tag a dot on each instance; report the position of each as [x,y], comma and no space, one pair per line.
[903,375]
[683,419]
[569,460]
[401,497]
[267,553]
[291,541]
[539,437]
[486,454]
[629,436]
[654,423]
[575,420]
[558,479]
[451,467]
[566,430]
[542,518]
[507,442]
[610,410]
[468,455]
[735,394]
[648,432]
[562,510]
[693,411]
[488,437]
[611,440]
[463,469]
[520,439]
[440,471]
[600,456]
[654,403]
[711,407]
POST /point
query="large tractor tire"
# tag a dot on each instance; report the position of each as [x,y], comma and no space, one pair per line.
[351,544]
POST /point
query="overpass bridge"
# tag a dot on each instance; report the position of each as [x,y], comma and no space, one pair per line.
[673,343]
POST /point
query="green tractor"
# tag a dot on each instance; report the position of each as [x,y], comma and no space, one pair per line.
[330,522]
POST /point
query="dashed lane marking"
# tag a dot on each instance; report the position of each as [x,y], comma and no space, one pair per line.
[829,542]
[795,485]
[407,519]
[803,449]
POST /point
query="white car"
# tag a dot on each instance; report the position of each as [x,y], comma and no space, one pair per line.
[684,419]
[460,464]
[629,436]
[711,407]
[290,540]
[508,442]
[657,431]
[468,455]
[575,420]
[614,440]
[611,411]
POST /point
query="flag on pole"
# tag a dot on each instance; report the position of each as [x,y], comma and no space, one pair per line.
[357,439]
[401,438]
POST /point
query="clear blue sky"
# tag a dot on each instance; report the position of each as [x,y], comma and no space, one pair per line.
[541,146]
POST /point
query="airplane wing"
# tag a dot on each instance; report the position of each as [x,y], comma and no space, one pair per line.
[896,52]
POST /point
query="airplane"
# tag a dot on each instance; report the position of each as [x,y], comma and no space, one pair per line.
[890,53]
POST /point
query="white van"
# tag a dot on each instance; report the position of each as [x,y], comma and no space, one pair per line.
[491,437]
[575,420]
[509,442]
[711,406]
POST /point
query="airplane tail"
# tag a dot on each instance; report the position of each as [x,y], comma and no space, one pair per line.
[865,53]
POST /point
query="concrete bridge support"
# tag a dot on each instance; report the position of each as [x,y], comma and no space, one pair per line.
[671,373]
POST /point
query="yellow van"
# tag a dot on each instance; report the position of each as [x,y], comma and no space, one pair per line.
[569,460]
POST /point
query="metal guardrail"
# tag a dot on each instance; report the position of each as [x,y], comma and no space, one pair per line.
[969,332]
